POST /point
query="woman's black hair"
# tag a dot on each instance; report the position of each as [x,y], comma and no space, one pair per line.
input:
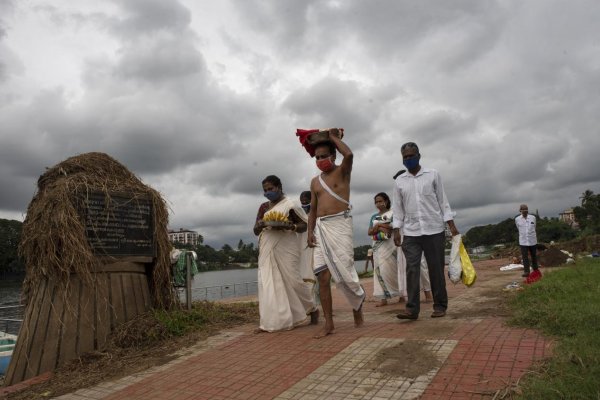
[386,199]
[274,180]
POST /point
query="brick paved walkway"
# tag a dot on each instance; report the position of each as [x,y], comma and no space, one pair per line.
[476,353]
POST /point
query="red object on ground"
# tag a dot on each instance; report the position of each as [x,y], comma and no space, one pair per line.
[303,135]
[534,276]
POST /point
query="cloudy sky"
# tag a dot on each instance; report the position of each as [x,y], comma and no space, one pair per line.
[201,99]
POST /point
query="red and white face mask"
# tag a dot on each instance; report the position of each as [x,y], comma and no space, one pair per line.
[325,164]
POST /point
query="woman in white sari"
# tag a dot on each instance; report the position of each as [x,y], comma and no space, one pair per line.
[284,300]
[385,278]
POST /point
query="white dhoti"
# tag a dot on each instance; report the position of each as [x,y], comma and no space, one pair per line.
[425,284]
[284,299]
[386,278]
[335,252]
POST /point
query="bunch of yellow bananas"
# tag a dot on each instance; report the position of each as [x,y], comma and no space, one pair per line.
[275,216]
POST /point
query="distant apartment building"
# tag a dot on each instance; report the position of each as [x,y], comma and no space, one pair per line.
[184,236]
[568,217]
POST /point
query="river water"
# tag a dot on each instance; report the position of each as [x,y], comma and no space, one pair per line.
[215,285]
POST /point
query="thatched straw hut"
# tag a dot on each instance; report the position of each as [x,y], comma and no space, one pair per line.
[75,290]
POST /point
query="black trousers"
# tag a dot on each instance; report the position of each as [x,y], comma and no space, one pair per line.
[433,248]
[525,256]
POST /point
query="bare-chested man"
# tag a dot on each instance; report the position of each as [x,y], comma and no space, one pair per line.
[330,229]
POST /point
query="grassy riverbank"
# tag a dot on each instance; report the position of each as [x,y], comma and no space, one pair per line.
[565,305]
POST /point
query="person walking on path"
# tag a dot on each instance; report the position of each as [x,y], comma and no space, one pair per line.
[385,261]
[527,239]
[425,283]
[421,211]
[284,300]
[330,230]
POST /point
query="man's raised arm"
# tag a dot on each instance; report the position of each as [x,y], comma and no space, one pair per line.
[334,136]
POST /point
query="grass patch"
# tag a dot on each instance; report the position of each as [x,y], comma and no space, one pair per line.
[205,313]
[565,304]
[368,274]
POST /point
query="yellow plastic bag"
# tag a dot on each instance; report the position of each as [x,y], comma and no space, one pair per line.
[468,272]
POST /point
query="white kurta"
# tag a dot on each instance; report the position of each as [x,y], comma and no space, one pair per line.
[284,299]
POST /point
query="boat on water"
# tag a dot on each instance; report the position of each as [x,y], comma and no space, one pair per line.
[7,345]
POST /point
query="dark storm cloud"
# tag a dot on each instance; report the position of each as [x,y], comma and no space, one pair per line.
[147,16]
[442,127]
[383,28]
[284,21]
[154,107]
[159,59]
[6,7]
[15,192]
[500,96]
[345,104]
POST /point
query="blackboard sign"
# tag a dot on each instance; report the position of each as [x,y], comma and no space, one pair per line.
[119,225]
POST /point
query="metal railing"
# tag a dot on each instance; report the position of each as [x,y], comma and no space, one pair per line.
[12,322]
[225,291]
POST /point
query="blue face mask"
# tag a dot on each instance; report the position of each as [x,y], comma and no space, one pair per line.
[272,195]
[411,163]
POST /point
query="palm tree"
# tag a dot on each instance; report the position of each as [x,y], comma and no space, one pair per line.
[586,196]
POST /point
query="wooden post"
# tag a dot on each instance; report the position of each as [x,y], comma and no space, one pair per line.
[188,279]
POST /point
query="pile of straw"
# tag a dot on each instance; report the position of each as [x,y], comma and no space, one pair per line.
[54,242]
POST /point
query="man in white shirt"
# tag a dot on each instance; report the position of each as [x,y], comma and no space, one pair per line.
[421,211]
[527,238]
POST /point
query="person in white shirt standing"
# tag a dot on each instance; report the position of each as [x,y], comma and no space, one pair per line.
[527,238]
[421,211]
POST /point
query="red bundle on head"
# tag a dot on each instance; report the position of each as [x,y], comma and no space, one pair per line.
[309,141]
[303,135]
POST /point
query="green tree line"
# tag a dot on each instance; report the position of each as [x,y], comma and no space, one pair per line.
[588,214]
[210,259]
[10,235]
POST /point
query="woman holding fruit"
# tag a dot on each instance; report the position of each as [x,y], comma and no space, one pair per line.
[284,301]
